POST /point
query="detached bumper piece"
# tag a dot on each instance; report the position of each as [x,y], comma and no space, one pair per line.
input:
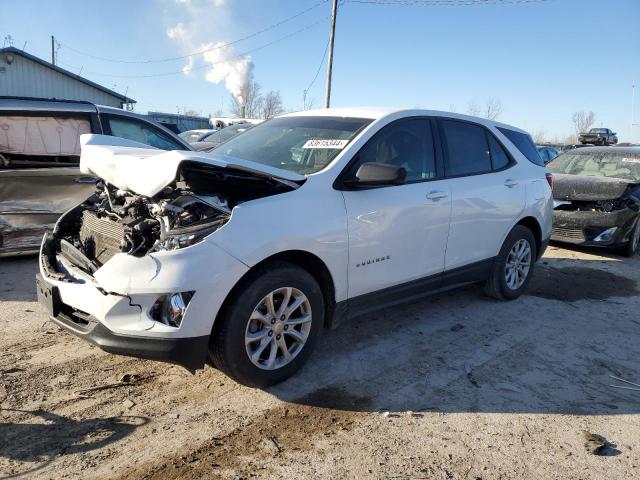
[190,353]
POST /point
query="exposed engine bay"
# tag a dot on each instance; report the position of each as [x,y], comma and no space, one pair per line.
[115,221]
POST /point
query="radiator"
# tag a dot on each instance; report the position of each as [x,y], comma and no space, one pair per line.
[100,237]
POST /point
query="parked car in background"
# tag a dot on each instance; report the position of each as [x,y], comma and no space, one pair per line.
[597,197]
[193,136]
[566,148]
[248,251]
[598,136]
[213,139]
[547,153]
[39,155]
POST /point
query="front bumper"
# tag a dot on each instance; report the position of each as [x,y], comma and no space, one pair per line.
[591,139]
[113,307]
[583,227]
[191,353]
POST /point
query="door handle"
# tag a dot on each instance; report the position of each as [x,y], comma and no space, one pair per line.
[85,180]
[436,195]
[510,183]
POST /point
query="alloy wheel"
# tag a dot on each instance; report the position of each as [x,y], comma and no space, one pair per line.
[518,264]
[278,328]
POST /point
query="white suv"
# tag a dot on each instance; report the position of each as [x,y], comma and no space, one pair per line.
[242,255]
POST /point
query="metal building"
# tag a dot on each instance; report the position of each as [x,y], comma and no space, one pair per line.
[24,75]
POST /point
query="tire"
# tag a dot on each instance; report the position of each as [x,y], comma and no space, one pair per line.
[228,351]
[497,285]
[631,248]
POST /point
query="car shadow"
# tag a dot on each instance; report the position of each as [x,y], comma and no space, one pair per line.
[49,435]
[554,350]
[17,278]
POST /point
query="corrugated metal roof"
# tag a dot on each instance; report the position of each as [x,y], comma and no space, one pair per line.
[15,51]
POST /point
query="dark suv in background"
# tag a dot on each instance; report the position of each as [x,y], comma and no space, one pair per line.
[39,161]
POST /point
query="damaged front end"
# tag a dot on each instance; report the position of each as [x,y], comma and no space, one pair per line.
[182,214]
[594,211]
[118,270]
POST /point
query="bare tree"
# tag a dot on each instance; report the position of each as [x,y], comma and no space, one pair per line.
[582,121]
[272,105]
[540,137]
[492,108]
[307,103]
[473,108]
[249,103]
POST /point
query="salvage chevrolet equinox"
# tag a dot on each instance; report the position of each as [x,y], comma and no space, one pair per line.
[239,257]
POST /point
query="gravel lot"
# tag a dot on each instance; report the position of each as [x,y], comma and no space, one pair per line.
[456,386]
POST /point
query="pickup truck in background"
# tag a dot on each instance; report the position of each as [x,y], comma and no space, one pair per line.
[599,136]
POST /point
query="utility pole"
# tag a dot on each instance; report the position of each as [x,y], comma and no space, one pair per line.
[334,12]
[53,50]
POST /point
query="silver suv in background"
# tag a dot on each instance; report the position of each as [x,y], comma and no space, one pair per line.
[39,161]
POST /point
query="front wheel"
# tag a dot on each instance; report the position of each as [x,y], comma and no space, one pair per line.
[270,326]
[513,266]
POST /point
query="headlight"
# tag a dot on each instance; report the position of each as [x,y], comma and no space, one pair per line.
[185,237]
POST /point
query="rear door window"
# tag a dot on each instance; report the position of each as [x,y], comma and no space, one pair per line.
[138,131]
[524,143]
[466,148]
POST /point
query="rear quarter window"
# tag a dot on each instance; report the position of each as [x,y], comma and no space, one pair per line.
[524,144]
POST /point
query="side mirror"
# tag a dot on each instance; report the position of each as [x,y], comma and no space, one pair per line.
[373,173]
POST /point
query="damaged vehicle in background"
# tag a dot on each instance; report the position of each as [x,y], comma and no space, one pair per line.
[598,136]
[212,140]
[39,154]
[597,197]
[240,256]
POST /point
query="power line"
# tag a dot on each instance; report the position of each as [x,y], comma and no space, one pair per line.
[444,3]
[315,77]
[200,52]
[200,67]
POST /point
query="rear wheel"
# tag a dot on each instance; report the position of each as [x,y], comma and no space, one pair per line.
[513,267]
[269,329]
[631,248]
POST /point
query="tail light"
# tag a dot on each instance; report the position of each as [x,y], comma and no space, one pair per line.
[550,179]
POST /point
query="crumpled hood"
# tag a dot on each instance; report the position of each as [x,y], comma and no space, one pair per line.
[145,170]
[576,187]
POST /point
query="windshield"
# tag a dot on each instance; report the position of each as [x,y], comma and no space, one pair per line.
[191,136]
[598,130]
[299,144]
[622,165]
[226,133]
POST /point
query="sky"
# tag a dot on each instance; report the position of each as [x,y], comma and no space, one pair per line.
[543,60]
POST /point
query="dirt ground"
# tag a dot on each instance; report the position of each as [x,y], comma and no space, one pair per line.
[454,387]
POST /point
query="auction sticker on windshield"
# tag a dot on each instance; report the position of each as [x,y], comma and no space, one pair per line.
[325,143]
